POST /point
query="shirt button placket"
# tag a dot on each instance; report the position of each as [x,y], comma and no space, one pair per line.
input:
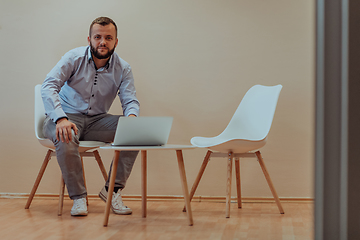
[92,95]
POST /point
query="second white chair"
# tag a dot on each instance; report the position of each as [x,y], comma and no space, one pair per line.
[247,131]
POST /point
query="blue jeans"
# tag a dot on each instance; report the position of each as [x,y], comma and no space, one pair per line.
[100,127]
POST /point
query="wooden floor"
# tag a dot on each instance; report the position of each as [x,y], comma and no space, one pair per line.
[165,220]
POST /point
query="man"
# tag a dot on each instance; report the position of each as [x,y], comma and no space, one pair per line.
[77,94]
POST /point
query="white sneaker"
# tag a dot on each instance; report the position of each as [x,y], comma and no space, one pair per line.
[117,205]
[79,208]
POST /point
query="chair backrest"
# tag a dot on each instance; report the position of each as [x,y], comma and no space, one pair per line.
[253,118]
[39,113]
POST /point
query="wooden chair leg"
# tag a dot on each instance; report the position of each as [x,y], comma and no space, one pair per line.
[268,179]
[62,183]
[238,182]
[197,180]
[61,196]
[101,165]
[228,184]
[38,179]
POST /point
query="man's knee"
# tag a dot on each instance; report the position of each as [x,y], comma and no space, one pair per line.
[73,144]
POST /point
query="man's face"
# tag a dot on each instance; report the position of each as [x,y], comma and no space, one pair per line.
[103,40]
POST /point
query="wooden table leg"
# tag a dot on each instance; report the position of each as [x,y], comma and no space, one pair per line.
[143,182]
[111,186]
[198,178]
[184,185]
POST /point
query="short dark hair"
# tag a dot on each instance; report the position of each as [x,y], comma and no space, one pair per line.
[103,21]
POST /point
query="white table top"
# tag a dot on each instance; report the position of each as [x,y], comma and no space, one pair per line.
[163,147]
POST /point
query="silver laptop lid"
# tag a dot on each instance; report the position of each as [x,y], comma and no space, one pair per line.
[142,131]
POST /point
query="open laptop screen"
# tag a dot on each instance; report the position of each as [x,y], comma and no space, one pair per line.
[142,131]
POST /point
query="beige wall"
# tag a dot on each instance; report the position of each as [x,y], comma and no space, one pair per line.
[193,60]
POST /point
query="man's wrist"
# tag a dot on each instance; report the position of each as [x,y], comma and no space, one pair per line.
[60,119]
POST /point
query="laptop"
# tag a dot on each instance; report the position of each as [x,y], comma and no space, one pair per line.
[142,131]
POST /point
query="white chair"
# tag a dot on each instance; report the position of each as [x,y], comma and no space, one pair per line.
[247,131]
[86,149]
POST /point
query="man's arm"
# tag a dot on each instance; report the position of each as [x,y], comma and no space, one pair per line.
[51,87]
[127,94]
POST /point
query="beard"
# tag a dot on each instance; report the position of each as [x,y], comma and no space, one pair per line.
[98,55]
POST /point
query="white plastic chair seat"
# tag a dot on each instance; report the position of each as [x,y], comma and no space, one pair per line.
[227,145]
[83,145]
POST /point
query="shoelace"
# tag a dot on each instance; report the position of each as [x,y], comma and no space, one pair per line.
[117,201]
[78,203]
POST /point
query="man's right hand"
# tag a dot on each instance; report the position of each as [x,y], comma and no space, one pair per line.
[63,130]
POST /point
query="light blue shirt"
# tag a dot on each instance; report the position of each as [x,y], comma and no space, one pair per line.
[74,85]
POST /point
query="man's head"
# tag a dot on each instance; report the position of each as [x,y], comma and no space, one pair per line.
[103,21]
[102,37]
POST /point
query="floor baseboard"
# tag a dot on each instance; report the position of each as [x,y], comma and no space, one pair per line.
[165,198]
